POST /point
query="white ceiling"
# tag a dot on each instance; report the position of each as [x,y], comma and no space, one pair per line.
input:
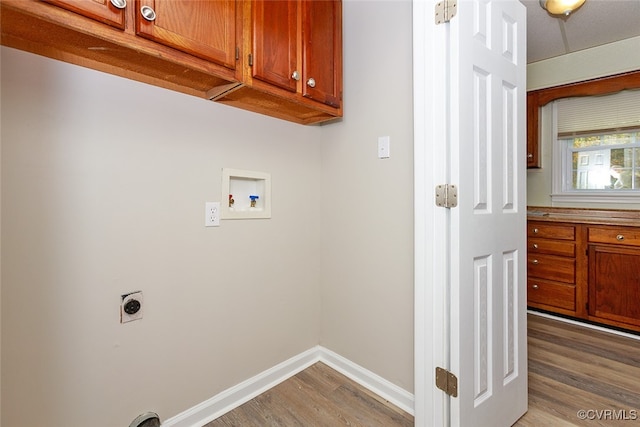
[596,23]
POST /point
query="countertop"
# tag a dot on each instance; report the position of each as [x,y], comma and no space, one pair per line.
[619,217]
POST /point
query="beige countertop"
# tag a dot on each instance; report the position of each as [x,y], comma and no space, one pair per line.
[585,216]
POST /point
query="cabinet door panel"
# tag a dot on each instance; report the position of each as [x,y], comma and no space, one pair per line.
[553,294]
[275,42]
[614,283]
[100,10]
[551,247]
[551,231]
[206,29]
[615,235]
[559,269]
[322,51]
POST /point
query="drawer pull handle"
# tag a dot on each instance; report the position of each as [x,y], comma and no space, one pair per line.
[620,237]
[534,261]
[535,246]
[535,231]
[535,286]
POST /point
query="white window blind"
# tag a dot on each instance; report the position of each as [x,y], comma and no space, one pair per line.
[586,114]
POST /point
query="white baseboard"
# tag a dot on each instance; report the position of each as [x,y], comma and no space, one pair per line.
[373,382]
[235,396]
[585,325]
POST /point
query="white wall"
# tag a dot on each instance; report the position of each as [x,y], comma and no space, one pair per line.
[104,182]
[606,60]
[610,59]
[103,188]
[367,258]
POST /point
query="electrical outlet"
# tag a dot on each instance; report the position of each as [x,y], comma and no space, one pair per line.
[212,214]
[131,307]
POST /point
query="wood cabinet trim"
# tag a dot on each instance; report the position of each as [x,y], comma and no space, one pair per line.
[541,97]
[44,29]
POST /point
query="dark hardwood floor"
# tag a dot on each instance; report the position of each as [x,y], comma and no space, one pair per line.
[571,369]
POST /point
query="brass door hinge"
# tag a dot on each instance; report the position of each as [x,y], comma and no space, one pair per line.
[445,10]
[447,196]
[447,382]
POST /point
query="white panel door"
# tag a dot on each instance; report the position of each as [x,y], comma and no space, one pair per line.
[470,265]
[487,144]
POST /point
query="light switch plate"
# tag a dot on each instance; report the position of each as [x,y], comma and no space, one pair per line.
[384,143]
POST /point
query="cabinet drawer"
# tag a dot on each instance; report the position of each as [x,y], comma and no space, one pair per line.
[617,235]
[553,294]
[551,247]
[551,267]
[551,231]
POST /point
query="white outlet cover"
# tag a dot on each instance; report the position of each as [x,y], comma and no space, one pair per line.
[212,214]
[126,317]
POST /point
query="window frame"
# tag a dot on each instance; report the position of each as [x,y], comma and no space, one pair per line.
[562,177]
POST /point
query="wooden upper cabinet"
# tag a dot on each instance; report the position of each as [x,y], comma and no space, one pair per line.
[110,12]
[274,31]
[297,46]
[322,51]
[282,58]
[206,29]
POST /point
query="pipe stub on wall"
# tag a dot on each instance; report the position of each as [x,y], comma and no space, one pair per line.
[148,419]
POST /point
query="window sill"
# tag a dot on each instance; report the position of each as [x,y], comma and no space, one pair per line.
[598,197]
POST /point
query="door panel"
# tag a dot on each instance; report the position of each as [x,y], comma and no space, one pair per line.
[206,29]
[322,51]
[275,42]
[100,10]
[488,228]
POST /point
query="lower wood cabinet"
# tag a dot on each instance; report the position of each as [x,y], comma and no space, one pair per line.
[585,270]
[614,275]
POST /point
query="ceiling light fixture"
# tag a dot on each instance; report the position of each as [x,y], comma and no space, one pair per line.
[561,7]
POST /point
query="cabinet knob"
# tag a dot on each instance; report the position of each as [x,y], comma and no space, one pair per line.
[536,231]
[295,76]
[620,237]
[535,286]
[148,13]
[534,261]
[529,156]
[535,246]
[311,82]
[119,4]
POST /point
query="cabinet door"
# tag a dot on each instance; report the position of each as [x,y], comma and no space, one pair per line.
[614,283]
[322,51]
[275,43]
[206,29]
[110,12]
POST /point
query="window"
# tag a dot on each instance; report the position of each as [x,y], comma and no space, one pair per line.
[605,161]
[597,143]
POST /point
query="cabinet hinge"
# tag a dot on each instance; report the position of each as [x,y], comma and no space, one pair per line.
[447,382]
[445,10]
[447,196]
[250,60]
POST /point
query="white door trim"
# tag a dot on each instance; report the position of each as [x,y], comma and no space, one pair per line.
[431,240]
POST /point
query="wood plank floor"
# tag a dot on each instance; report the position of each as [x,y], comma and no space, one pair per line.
[317,396]
[571,368]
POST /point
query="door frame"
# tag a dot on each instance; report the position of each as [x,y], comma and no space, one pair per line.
[430,224]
